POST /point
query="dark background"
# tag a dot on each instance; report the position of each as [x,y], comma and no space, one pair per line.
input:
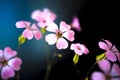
[97,21]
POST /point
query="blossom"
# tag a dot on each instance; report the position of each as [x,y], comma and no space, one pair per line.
[44,18]
[76,24]
[112,52]
[108,72]
[79,48]
[60,35]
[29,32]
[9,63]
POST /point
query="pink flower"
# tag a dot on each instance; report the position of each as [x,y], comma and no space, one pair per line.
[79,48]
[111,51]
[76,24]
[44,18]
[29,32]
[108,73]
[59,35]
[9,63]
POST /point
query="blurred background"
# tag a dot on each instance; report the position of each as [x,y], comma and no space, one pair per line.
[94,28]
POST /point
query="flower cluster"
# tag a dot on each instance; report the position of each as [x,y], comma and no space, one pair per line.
[45,21]
[108,62]
[60,35]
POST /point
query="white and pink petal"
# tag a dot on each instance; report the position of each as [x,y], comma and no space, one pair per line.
[22,24]
[61,43]
[98,76]
[52,27]
[69,35]
[110,56]
[7,72]
[15,63]
[115,70]
[51,39]
[9,53]
[64,27]
[36,15]
[105,66]
[103,45]
[28,34]
[108,43]
[37,34]
[1,55]
[76,24]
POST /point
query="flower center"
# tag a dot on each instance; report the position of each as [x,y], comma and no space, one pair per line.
[78,48]
[4,63]
[59,34]
[108,77]
[44,21]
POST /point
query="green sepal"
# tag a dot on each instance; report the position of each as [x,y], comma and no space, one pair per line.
[76,58]
[100,57]
[43,30]
[21,39]
[87,78]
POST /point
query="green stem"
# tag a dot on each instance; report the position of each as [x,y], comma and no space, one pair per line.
[48,67]
[89,70]
[18,76]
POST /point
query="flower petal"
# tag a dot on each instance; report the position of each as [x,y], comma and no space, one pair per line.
[36,15]
[49,14]
[110,56]
[7,72]
[1,55]
[22,24]
[84,49]
[27,34]
[108,43]
[76,23]
[104,66]
[34,27]
[79,48]
[118,78]
[97,76]
[103,45]
[116,52]
[41,24]
[1,65]
[118,56]
[37,34]
[9,53]
[64,27]
[51,39]
[115,70]
[69,35]
[52,27]
[61,43]
[73,46]
[15,63]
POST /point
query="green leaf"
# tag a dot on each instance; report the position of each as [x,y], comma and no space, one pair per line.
[76,59]
[21,39]
[100,57]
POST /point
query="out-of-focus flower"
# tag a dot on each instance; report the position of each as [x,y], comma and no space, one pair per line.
[79,48]
[111,51]
[44,18]
[29,32]
[60,34]
[9,63]
[76,24]
[108,73]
